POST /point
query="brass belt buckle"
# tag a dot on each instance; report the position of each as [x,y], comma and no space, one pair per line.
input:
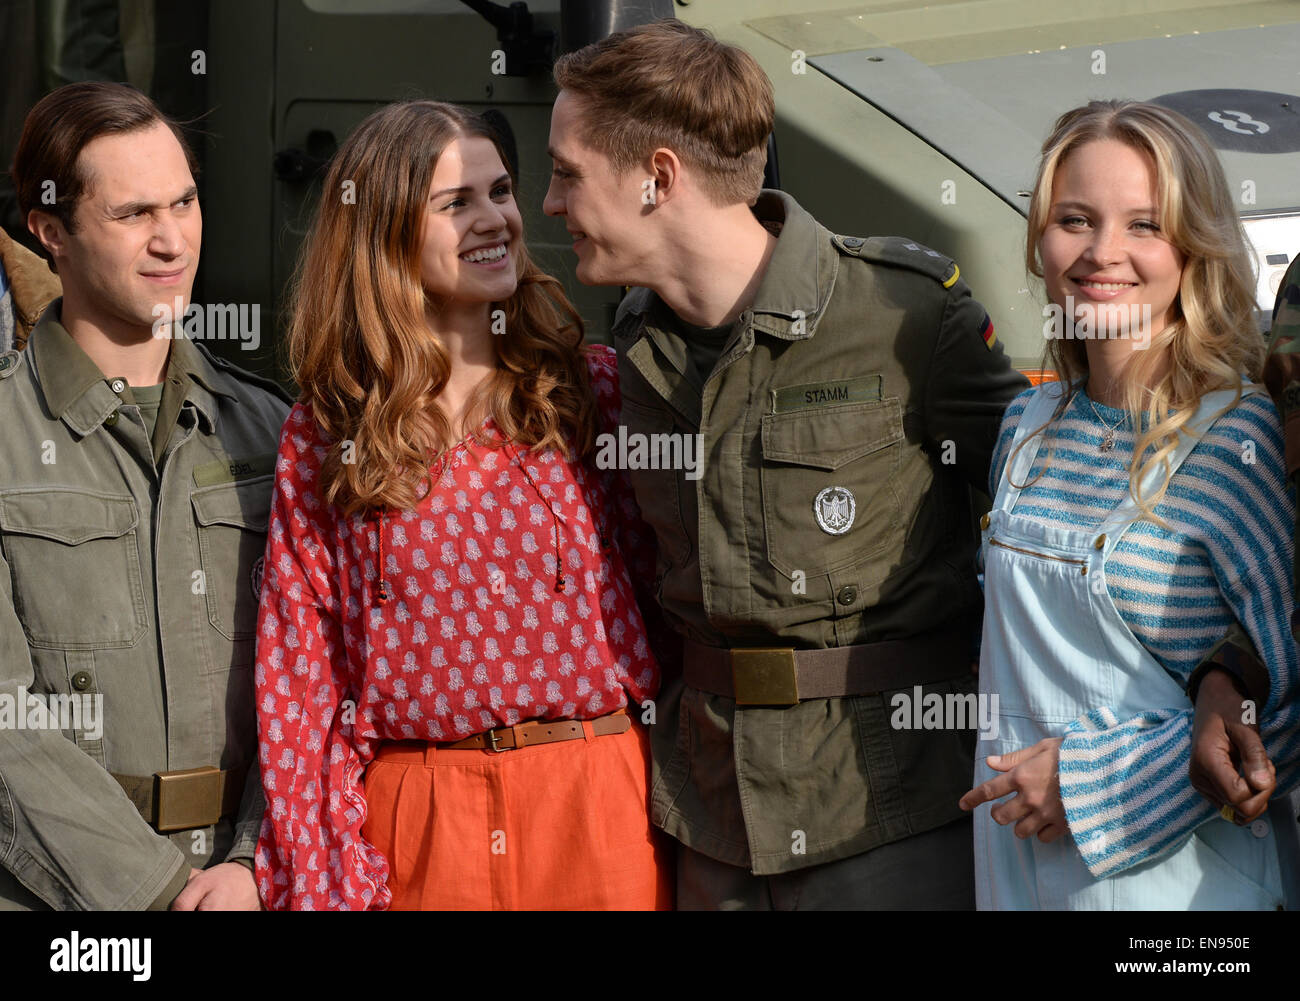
[189,798]
[492,739]
[764,676]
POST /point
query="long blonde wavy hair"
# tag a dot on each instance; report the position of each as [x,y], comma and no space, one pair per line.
[1211,337]
[359,344]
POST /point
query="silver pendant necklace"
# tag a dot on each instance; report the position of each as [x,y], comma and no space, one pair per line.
[1108,439]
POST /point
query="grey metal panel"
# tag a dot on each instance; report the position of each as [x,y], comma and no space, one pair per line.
[951,118]
[980,112]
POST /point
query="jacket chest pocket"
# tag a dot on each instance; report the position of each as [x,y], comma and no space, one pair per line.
[75,560]
[659,490]
[829,501]
[232,520]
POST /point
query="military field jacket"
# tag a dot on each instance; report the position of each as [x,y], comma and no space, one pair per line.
[842,432]
[140,587]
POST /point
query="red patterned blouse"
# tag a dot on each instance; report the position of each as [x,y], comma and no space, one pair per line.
[475,636]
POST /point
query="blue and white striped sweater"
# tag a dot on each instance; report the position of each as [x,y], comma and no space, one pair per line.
[1229,555]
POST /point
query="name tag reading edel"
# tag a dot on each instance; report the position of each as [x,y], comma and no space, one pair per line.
[233,470]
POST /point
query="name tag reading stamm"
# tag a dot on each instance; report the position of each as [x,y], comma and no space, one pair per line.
[233,469]
[864,389]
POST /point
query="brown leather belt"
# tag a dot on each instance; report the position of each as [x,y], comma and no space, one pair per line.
[783,676]
[178,801]
[509,738]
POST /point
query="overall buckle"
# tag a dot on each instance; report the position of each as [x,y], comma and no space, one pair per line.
[765,676]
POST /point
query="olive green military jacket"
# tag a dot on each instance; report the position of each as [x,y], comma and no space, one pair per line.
[843,429]
[138,586]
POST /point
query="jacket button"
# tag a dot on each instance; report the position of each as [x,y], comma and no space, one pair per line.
[848,595]
[81,681]
[852,241]
[117,385]
[111,419]
[984,523]
[1259,828]
[1101,542]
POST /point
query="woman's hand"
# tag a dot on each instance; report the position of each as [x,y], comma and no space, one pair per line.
[1032,774]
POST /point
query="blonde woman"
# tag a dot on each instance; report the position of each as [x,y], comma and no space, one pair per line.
[1141,505]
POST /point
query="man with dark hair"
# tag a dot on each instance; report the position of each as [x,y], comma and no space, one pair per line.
[135,478]
[847,395]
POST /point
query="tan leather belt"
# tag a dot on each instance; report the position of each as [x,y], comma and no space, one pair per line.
[178,801]
[508,738]
[783,676]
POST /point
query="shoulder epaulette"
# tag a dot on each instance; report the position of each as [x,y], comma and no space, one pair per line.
[9,363]
[244,375]
[901,252]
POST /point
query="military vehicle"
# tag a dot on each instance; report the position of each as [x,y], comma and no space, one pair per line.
[916,119]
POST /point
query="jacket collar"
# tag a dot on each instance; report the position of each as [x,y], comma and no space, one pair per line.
[31,284]
[78,393]
[800,273]
[799,277]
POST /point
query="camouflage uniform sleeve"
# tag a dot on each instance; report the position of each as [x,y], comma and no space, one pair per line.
[1282,376]
[1235,653]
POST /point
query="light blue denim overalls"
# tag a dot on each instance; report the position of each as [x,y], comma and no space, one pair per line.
[1054,648]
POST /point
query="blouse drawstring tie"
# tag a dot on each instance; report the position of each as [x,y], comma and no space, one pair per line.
[559,576]
[385,592]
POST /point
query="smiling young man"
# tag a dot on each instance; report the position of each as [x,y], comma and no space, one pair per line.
[135,477]
[848,393]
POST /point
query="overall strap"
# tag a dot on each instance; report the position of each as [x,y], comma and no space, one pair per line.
[1038,411]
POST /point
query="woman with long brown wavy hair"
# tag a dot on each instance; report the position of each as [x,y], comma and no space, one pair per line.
[448,635]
